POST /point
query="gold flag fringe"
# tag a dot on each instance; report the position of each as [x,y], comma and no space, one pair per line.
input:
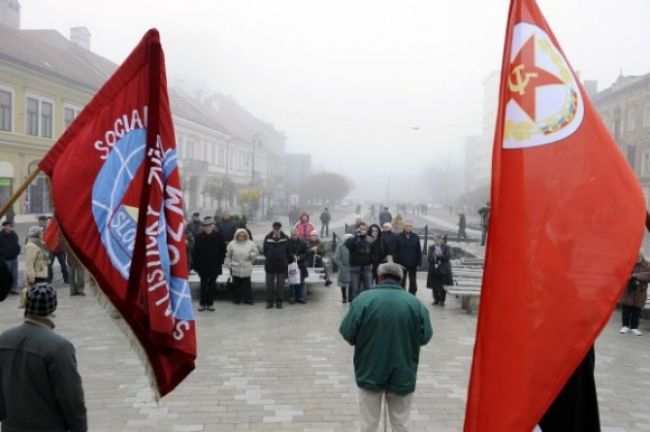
[134,342]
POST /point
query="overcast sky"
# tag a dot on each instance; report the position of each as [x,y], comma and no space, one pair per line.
[348,80]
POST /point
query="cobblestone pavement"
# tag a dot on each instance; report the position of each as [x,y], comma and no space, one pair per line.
[289,370]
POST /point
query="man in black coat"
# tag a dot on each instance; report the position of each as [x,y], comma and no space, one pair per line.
[408,253]
[9,251]
[208,254]
[278,255]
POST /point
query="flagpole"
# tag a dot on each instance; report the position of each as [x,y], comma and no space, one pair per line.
[19,191]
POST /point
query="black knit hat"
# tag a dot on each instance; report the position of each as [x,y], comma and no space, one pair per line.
[40,300]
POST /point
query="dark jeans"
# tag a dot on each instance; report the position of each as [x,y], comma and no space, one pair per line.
[439,292]
[62,262]
[631,316]
[208,288]
[13,268]
[412,274]
[359,277]
[241,289]
[483,235]
[463,234]
[275,287]
[325,228]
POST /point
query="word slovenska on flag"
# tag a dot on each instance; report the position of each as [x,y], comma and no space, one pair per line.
[117,197]
[566,225]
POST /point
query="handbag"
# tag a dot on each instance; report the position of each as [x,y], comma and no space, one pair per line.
[293,273]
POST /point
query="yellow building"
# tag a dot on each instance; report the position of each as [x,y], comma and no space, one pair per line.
[45,80]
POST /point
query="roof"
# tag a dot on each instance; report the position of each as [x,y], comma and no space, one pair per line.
[48,51]
[623,83]
[185,107]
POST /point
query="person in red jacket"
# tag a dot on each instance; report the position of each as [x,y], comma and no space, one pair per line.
[304,227]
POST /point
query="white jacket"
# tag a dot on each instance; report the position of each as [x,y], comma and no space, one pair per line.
[240,256]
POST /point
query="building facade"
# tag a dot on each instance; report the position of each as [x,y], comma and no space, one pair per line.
[625,109]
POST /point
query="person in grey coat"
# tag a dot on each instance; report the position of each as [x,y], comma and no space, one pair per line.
[342,260]
[40,381]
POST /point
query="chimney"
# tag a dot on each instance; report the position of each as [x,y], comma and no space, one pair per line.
[80,36]
[10,13]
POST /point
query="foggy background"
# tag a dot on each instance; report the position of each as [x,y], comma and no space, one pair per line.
[370,89]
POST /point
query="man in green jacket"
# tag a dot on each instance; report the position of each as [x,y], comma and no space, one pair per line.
[387,327]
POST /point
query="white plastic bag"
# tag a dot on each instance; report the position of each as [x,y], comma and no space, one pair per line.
[294,273]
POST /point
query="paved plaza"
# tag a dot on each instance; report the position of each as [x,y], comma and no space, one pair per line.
[289,370]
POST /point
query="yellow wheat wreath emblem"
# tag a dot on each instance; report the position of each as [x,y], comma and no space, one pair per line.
[524,130]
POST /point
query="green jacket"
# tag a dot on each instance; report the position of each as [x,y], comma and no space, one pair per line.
[387,326]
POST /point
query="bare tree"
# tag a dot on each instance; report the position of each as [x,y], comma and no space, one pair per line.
[327,187]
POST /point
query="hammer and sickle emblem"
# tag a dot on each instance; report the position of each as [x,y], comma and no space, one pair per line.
[521,82]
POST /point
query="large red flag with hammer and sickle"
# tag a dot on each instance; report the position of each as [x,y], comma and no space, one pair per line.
[566,224]
[118,202]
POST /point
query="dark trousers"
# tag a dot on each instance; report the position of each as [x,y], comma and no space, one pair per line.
[412,276]
[325,230]
[439,292]
[575,409]
[275,287]
[208,288]
[462,234]
[483,235]
[631,316]
[62,262]
[241,289]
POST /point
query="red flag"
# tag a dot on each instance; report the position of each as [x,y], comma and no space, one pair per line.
[117,194]
[565,229]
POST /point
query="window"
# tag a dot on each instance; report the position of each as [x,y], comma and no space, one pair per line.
[631,117]
[5,110]
[40,116]
[70,112]
[646,116]
[32,116]
[46,120]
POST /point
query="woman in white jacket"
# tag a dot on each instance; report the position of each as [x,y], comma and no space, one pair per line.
[240,254]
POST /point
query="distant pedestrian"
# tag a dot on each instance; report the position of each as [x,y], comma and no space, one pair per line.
[385,217]
[278,256]
[635,296]
[36,257]
[388,238]
[304,227]
[316,255]
[484,212]
[58,251]
[408,253]
[294,215]
[193,229]
[208,256]
[387,327]
[439,273]
[40,380]
[298,252]
[342,260]
[462,225]
[325,218]
[9,251]
[376,249]
[360,261]
[240,256]
[227,227]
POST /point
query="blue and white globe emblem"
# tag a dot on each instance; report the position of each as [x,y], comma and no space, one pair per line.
[116,218]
